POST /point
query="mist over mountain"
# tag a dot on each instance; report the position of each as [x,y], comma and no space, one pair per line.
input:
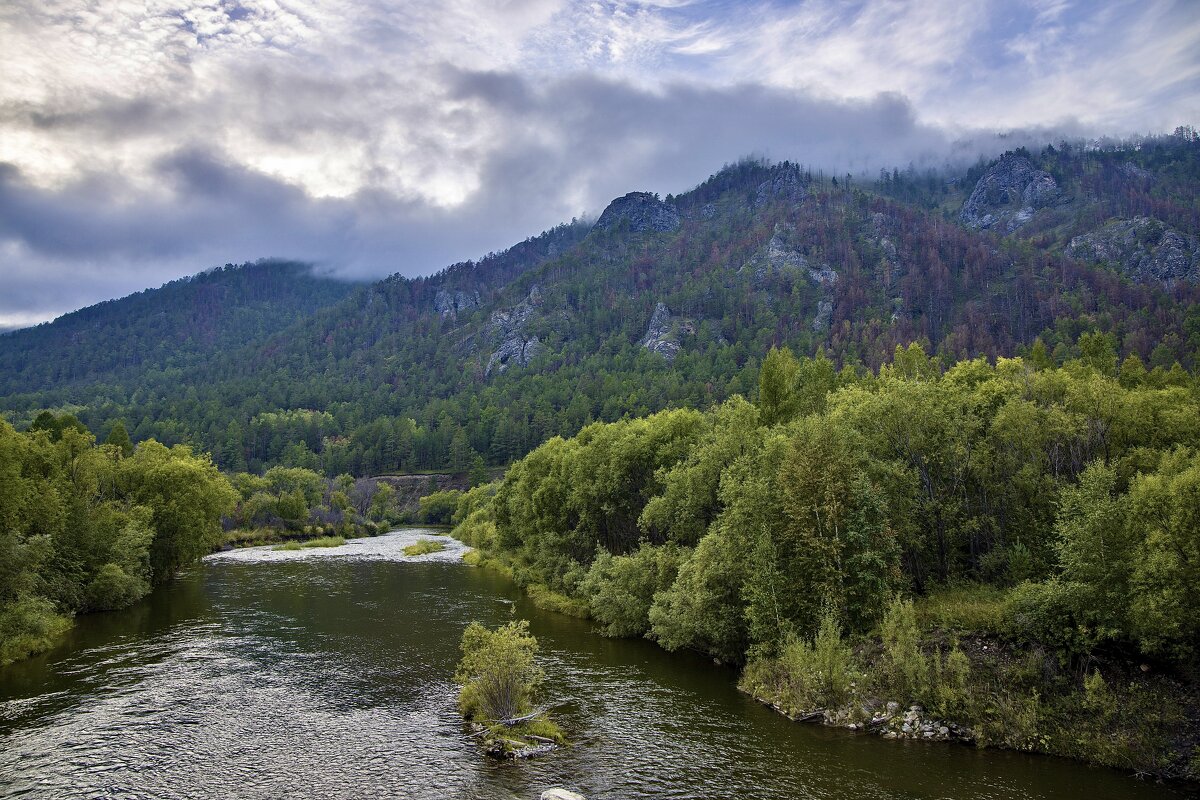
[662,301]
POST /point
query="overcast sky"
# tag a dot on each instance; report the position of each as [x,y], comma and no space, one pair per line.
[142,141]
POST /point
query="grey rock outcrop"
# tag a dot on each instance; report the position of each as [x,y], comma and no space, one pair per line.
[1134,171]
[785,183]
[514,345]
[778,255]
[1145,249]
[824,314]
[641,211]
[823,274]
[1009,194]
[449,304]
[661,335]
[513,350]
[775,257]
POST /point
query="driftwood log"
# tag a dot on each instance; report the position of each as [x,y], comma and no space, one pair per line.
[508,723]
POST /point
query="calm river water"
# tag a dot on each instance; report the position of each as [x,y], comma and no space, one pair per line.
[327,674]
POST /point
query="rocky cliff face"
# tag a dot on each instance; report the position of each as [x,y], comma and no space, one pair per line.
[449,304]
[775,257]
[661,336]
[1009,194]
[508,330]
[641,211]
[1147,250]
[411,488]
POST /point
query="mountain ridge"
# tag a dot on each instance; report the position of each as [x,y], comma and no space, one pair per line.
[490,357]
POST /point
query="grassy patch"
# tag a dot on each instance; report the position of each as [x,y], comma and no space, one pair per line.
[478,558]
[323,541]
[257,537]
[550,600]
[424,546]
[968,608]
[502,741]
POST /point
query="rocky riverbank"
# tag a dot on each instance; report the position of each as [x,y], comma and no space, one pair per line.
[1127,714]
[887,721]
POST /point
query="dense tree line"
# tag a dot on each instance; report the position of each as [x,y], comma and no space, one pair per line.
[297,503]
[1073,489]
[87,527]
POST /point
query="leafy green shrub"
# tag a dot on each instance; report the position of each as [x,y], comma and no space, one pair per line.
[950,675]
[1165,510]
[499,674]
[1011,719]
[620,589]
[905,668]
[703,609]
[113,588]
[808,674]
[438,508]
[1097,697]
[28,626]
[1050,612]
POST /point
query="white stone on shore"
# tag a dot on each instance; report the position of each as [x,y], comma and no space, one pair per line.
[559,793]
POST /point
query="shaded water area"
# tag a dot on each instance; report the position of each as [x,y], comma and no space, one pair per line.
[327,673]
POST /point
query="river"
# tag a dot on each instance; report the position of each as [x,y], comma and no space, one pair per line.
[326,673]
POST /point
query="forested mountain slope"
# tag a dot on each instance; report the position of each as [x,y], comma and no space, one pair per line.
[671,302]
[179,325]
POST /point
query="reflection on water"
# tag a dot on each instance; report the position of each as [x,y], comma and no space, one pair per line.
[327,673]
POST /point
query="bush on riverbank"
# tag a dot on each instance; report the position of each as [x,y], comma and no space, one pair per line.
[438,508]
[1020,506]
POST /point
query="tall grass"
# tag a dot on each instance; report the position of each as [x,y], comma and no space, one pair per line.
[424,546]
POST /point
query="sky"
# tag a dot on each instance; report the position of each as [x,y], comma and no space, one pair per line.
[144,140]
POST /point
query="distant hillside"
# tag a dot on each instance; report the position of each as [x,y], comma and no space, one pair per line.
[672,301]
[177,326]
